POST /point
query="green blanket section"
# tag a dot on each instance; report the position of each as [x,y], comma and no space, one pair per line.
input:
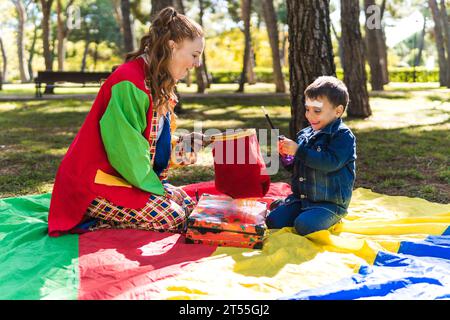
[48,265]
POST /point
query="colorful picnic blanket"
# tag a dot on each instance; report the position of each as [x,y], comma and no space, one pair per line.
[387,247]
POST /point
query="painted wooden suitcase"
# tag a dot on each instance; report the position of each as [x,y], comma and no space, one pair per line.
[224,221]
[224,238]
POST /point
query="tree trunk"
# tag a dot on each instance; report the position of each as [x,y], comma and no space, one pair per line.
[22,17]
[208,75]
[60,35]
[310,52]
[200,74]
[179,6]
[118,13]
[201,80]
[48,57]
[245,13]
[46,7]
[158,5]
[422,42]
[128,37]
[62,31]
[85,53]
[353,60]
[203,65]
[383,55]
[3,64]
[340,53]
[373,50]
[5,61]
[251,76]
[53,48]
[188,79]
[95,56]
[32,50]
[283,48]
[446,33]
[383,47]
[438,34]
[272,30]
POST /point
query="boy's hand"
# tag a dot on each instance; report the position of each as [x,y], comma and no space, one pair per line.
[287,147]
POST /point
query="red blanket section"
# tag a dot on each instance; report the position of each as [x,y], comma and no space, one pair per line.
[127,264]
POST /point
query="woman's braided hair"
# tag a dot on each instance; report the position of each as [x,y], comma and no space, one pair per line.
[167,25]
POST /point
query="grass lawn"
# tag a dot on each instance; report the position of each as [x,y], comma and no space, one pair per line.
[403,149]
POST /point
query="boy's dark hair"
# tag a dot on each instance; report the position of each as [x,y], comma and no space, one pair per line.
[330,87]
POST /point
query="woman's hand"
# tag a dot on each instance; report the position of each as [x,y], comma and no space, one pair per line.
[287,147]
[192,143]
[177,194]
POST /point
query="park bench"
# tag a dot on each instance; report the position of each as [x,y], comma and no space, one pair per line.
[55,78]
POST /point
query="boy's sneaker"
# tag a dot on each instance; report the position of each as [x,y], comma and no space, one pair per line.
[275,204]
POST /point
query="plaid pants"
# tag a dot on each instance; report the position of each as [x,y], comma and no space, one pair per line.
[161,213]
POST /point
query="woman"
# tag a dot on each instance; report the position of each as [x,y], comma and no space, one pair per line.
[113,173]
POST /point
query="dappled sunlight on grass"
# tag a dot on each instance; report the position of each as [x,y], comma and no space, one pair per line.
[8,106]
[443,97]
[215,112]
[56,151]
[44,187]
[411,86]
[52,109]
[28,89]
[402,113]
[17,89]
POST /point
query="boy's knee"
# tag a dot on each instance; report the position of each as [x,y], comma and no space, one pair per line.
[305,226]
[315,220]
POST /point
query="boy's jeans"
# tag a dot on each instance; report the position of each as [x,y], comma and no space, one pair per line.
[305,216]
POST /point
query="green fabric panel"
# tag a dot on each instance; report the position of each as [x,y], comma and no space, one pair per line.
[122,127]
[32,264]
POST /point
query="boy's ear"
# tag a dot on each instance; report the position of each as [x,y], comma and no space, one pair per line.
[339,110]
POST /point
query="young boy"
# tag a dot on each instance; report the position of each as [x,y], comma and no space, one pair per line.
[323,171]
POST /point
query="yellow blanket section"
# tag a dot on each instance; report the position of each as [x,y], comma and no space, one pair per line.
[289,263]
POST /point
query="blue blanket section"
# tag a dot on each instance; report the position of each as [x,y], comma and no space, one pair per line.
[420,270]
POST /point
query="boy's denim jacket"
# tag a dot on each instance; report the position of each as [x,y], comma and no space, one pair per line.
[324,164]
